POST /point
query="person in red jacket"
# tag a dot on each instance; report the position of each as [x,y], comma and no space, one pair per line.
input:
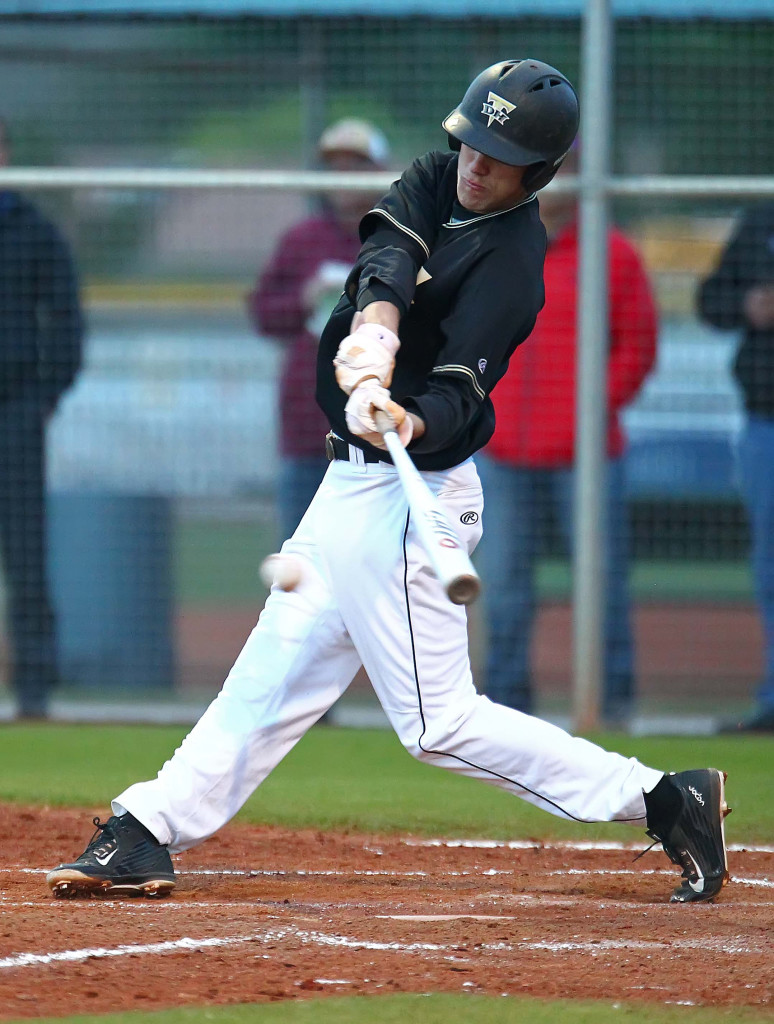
[293,297]
[527,468]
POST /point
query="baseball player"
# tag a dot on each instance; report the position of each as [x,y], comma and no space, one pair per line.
[447,283]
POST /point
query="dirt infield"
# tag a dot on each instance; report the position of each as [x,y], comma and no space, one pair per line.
[266,914]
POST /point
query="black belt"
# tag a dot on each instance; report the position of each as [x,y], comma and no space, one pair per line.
[338,448]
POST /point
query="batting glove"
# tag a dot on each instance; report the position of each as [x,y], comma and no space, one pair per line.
[369,352]
[360,408]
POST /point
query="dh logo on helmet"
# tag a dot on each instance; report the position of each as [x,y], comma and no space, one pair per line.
[497,109]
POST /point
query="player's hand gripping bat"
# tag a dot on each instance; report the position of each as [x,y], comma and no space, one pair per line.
[447,555]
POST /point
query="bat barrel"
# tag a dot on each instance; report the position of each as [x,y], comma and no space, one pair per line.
[447,554]
[463,589]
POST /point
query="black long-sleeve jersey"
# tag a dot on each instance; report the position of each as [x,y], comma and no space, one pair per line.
[469,286]
[747,261]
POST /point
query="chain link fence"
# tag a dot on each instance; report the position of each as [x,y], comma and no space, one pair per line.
[168,452]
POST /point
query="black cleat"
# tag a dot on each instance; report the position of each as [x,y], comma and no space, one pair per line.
[122,859]
[685,814]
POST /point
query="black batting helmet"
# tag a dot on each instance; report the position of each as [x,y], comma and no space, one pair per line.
[520,112]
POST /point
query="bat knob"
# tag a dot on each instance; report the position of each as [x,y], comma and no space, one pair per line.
[464,589]
[384,422]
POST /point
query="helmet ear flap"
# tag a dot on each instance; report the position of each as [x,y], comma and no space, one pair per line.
[454,144]
[538,175]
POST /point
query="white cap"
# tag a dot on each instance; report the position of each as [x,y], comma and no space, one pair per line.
[355,136]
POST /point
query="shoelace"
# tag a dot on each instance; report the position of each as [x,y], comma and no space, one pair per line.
[655,842]
[103,839]
[682,860]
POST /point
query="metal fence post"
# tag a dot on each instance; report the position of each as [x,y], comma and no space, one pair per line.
[591,410]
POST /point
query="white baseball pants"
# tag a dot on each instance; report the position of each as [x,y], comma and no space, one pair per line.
[368,596]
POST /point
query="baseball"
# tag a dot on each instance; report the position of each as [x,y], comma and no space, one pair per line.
[283,571]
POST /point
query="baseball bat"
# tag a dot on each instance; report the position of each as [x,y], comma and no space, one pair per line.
[448,557]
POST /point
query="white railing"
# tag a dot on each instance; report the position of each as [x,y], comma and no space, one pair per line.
[631,186]
[595,187]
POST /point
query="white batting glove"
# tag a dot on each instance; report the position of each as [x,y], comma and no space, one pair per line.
[369,352]
[360,408]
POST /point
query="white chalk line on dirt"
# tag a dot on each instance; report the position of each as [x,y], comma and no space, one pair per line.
[527,844]
[548,900]
[323,939]
[271,872]
[102,952]
[188,944]
[131,906]
[362,873]
[446,917]
[764,883]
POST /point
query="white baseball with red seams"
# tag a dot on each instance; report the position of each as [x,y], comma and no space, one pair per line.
[283,571]
[369,597]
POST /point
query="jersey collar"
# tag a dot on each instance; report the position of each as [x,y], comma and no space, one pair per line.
[461,217]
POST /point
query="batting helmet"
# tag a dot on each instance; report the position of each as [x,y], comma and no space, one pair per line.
[520,112]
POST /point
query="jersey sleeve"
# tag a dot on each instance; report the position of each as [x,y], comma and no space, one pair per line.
[494,311]
[398,234]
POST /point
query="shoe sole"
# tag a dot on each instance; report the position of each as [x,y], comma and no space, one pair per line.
[70,883]
[723,810]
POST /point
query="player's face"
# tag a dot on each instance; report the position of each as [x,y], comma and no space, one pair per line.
[485,185]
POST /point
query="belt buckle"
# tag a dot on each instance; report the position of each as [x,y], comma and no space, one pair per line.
[330,452]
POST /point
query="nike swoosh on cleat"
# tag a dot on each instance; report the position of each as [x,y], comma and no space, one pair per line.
[698,885]
[106,860]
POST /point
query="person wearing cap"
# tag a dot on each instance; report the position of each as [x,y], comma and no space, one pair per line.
[448,281]
[290,302]
[527,467]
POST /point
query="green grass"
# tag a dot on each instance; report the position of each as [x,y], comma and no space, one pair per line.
[217,563]
[431,1009]
[661,581]
[364,780]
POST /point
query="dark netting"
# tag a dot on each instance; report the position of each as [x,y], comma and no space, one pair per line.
[160,342]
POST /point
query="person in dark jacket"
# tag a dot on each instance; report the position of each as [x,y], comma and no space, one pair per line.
[41,329]
[739,294]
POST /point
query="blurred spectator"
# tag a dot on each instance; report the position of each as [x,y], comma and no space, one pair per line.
[41,329]
[527,468]
[293,298]
[740,294]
